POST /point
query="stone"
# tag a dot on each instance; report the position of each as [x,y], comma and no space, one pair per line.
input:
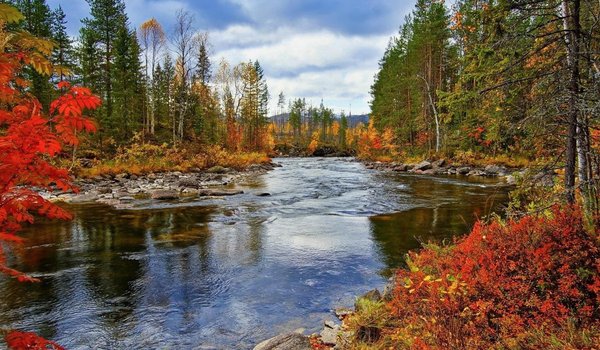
[104,190]
[188,182]
[217,170]
[164,194]
[122,176]
[424,165]
[342,313]
[218,193]
[330,324]
[400,168]
[127,199]
[439,163]
[511,180]
[494,169]
[264,194]
[476,172]
[290,341]
[463,170]
[84,198]
[329,335]
[188,191]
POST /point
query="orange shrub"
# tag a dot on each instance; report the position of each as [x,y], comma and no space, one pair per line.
[531,284]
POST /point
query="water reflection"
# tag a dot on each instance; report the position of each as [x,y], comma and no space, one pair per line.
[447,207]
[228,273]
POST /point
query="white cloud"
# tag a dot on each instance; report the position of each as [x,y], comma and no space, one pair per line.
[316,64]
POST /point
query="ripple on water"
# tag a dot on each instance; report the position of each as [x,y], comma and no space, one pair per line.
[227,273]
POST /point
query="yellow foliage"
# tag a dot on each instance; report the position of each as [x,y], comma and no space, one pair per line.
[139,159]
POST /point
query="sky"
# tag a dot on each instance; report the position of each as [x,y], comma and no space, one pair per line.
[316,49]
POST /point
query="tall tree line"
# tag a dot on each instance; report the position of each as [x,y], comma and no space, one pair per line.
[508,77]
[155,82]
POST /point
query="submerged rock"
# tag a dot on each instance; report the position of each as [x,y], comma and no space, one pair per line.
[290,341]
[218,192]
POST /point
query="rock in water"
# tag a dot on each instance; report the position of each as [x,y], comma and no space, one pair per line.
[290,341]
[218,193]
[164,194]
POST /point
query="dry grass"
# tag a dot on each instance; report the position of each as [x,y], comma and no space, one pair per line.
[147,158]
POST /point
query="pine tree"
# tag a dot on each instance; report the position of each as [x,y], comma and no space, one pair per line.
[38,21]
[63,57]
[97,54]
[128,85]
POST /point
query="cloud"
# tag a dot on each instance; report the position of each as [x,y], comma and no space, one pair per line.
[316,49]
[315,65]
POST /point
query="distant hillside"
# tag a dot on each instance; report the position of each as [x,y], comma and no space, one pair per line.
[353,120]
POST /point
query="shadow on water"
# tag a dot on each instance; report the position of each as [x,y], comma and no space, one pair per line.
[227,273]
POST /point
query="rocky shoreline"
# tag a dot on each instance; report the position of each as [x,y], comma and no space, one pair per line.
[442,167]
[334,334]
[121,190]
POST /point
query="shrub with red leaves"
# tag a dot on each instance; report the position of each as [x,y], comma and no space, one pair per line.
[526,284]
[30,341]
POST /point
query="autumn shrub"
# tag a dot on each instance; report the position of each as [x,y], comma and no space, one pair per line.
[143,158]
[527,284]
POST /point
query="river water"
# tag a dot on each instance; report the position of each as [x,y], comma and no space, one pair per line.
[228,273]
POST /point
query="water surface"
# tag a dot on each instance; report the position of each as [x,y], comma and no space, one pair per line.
[228,273]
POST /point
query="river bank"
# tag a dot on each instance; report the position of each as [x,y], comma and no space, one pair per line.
[121,190]
[442,167]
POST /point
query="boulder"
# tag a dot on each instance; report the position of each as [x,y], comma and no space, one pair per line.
[188,182]
[329,334]
[401,168]
[424,165]
[439,163]
[290,341]
[164,194]
[494,169]
[463,170]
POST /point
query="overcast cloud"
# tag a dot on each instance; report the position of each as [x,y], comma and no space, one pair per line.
[317,49]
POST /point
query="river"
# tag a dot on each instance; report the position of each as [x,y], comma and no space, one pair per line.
[228,273]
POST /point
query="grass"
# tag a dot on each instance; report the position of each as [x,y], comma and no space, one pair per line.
[146,158]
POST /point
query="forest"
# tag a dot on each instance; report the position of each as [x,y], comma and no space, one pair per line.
[514,83]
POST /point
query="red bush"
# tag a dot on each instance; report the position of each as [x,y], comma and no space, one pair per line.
[29,341]
[502,285]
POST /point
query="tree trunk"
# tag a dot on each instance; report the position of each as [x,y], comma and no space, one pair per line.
[572,28]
